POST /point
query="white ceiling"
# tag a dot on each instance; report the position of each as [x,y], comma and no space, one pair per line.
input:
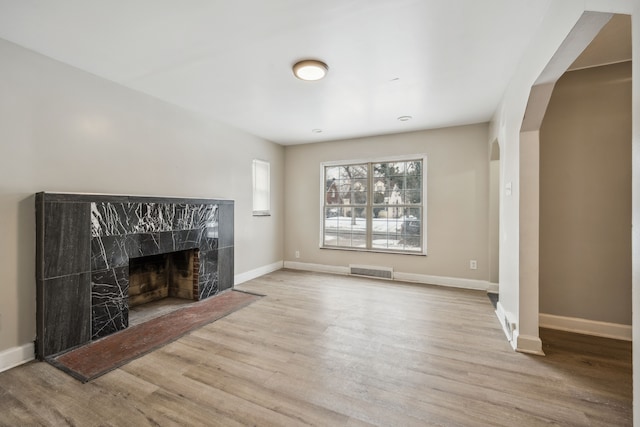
[444,62]
[610,46]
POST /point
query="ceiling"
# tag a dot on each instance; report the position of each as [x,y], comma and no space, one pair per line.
[610,46]
[443,62]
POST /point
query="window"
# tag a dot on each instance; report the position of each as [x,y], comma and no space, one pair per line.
[374,205]
[261,188]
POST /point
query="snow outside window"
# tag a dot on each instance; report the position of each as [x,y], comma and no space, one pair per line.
[374,205]
[261,188]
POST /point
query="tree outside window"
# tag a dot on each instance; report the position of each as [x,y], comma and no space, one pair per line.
[376,205]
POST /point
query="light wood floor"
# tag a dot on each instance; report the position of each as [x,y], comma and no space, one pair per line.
[341,351]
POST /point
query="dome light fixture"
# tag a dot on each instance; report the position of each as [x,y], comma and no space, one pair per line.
[310,69]
[404,118]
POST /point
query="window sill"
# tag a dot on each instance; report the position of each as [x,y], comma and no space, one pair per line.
[379,251]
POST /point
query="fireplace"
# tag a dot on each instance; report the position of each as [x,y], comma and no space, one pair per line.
[99,255]
[155,277]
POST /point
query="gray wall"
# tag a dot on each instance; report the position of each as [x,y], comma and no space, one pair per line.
[64,130]
[457,207]
[585,196]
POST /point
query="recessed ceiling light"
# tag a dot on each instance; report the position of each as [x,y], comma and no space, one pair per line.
[404,118]
[310,69]
[316,130]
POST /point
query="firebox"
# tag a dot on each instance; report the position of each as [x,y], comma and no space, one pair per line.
[99,255]
[155,277]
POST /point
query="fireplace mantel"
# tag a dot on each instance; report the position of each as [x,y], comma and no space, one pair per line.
[83,246]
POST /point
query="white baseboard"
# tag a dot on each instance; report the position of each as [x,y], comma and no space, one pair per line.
[584,326]
[453,282]
[493,288]
[521,343]
[257,272]
[528,344]
[501,315]
[16,356]
[508,323]
[318,268]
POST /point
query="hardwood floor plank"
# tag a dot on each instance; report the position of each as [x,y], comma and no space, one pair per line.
[331,350]
[313,391]
[289,405]
[190,398]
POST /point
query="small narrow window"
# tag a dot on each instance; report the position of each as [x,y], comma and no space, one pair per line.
[261,188]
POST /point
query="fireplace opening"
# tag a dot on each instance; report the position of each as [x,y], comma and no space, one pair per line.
[162,283]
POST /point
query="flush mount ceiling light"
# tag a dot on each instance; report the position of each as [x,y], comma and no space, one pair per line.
[404,118]
[310,69]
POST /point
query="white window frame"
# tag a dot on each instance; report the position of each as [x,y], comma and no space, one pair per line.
[369,205]
[261,188]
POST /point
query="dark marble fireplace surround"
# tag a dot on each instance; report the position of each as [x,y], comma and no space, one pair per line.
[83,246]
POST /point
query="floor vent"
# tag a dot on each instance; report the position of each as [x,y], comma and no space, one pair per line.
[371,271]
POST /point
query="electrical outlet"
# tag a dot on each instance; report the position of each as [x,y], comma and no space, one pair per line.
[297,254]
[473,264]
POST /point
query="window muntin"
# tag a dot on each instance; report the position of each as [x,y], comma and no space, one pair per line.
[374,205]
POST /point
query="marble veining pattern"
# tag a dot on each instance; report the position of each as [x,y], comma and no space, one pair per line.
[109,318]
[121,231]
[208,274]
[118,228]
[113,219]
[109,301]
